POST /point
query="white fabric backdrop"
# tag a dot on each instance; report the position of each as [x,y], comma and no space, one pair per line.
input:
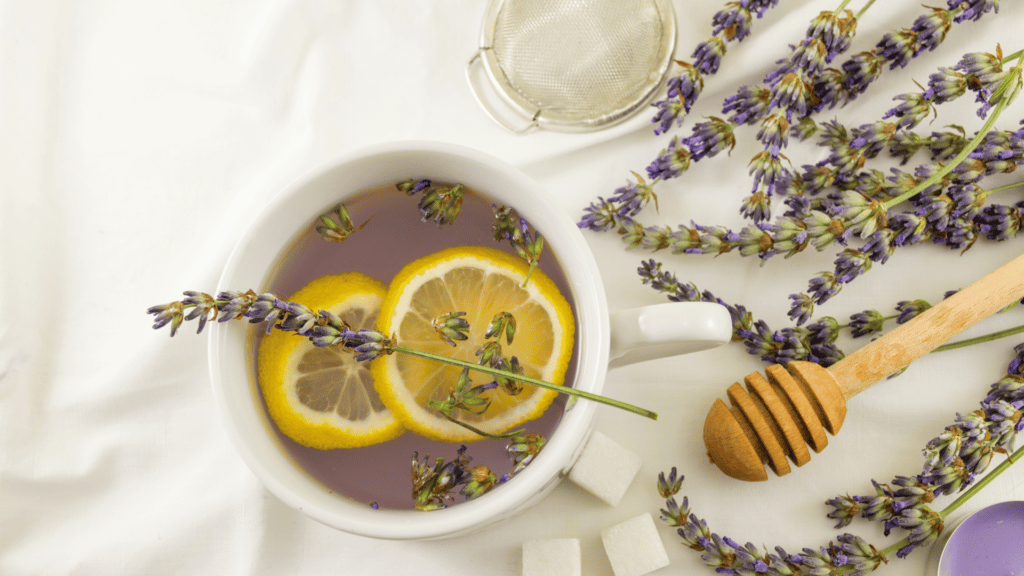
[137,139]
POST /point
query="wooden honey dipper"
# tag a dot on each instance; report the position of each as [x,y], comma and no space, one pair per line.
[780,416]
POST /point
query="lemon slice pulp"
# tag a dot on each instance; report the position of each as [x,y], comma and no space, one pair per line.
[322,397]
[480,282]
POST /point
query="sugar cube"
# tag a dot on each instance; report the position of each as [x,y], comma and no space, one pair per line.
[634,547]
[605,468]
[551,557]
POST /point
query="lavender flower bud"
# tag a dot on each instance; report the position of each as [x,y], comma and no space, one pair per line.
[909,229]
[322,336]
[925,526]
[931,28]
[266,308]
[716,239]
[899,47]
[789,236]
[370,344]
[801,309]
[844,510]
[823,286]
[792,92]
[669,110]
[866,322]
[523,449]
[910,309]
[503,323]
[479,480]
[946,145]
[834,31]
[708,55]
[748,105]
[600,216]
[167,314]
[913,109]
[297,318]
[862,556]
[442,204]
[237,304]
[1000,222]
[1009,388]
[671,162]
[861,70]
[412,187]
[757,206]
[823,229]
[858,213]
[973,9]
[1016,366]
[735,22]
[673,514]
[670,485]
[633,197]
[205,307]
[946,85]
[710,137]
[451,326]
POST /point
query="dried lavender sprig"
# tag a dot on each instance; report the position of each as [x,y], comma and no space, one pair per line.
[731,24]
[830,89]
[792,93]
[325,329]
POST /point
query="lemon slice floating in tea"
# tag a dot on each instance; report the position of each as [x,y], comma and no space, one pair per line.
[322,397]
[481,282]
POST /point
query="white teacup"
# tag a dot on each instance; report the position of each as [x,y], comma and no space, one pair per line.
[640,334]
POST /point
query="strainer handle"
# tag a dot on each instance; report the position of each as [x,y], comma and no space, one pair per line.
[486,107]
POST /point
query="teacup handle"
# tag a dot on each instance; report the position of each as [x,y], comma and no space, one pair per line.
[667,329]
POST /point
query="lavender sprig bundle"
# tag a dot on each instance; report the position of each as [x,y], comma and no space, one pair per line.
[954,462]
[862,202]
[800,83]
[948,202]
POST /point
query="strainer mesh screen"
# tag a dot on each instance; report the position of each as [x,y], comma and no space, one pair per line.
[578,59]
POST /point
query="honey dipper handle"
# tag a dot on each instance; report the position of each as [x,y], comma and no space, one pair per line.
[931,329]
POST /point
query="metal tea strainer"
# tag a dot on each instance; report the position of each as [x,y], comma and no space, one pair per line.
[572,65]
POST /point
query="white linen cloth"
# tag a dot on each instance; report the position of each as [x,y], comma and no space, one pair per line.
[139,139]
